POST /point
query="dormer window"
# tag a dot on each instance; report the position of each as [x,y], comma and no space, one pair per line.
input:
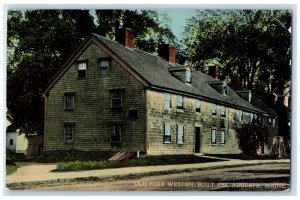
[188,76]
[225,90]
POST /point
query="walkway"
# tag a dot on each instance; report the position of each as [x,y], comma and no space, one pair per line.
[39,173]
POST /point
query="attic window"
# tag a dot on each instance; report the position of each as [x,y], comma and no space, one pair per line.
[81,69]
[104,64]
[188,76]
[225,90]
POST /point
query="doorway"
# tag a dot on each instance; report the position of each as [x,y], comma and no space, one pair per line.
[197,139]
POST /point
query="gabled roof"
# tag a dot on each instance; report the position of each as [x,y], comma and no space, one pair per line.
[156,72]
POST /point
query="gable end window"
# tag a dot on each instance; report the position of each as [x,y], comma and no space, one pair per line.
[69,101]
[198,105]
[69,132]
[115,132]
[167,100]
[179,102]
[213,109]
[179,133]
[116,98]
[213,136]
[81,69]
[104,65]
[167,133]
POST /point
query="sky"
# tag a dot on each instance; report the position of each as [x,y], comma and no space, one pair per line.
[179,18]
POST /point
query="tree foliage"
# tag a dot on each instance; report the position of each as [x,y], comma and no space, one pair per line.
[40,41]
[148,29]
[254,45]
[251,137]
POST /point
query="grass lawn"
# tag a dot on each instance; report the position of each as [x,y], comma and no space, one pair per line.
[10,169]
[144,161]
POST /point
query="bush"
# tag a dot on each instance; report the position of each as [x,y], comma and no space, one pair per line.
[74,155]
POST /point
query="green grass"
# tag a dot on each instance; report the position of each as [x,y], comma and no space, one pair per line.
[10,169]
[145,161]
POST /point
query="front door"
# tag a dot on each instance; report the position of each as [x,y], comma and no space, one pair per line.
[197,139]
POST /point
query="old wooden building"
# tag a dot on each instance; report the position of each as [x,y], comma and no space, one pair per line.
[112,96]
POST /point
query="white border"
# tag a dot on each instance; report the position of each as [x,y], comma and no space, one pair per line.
[208,4]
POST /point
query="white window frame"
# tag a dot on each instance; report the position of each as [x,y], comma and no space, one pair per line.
[225,90]
[213,135]
[196,105]
[179,102]
[167,132]
[214,109]
[223,139]
[180,134]
[104,67]
[168,101]
[274,122]
[240,115]
[68,132]
[115,98]
[82,66]
[223,111]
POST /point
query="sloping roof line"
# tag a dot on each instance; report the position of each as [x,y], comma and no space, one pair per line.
[155,71]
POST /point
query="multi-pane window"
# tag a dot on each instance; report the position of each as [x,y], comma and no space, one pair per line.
[69,101]
[69,132]
[198,105]
[167,100]
[81,69]
[115,132]
[179,102]
[188,76]
[104,67]
[240,115]
[274,122]
[116,98]
[223,113]
[167,133]
[179,133]
[213,109]
[222,137]
[213,136]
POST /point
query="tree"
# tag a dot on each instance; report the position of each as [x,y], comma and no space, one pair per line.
[148,29]
[254,45]
[251,137]
[39,42]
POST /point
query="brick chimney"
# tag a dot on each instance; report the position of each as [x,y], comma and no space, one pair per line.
[214,71]
[129,38]
[167,52]
[126,37]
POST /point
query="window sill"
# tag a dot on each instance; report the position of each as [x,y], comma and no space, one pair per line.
[218,144]
[69,142]
[179,110]
[167,142]
[214,116]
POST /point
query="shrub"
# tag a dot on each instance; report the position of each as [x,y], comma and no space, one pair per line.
[250,137]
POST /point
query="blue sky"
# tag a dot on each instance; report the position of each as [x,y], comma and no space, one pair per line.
[179,18]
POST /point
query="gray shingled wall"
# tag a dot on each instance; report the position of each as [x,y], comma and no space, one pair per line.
[92,113]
